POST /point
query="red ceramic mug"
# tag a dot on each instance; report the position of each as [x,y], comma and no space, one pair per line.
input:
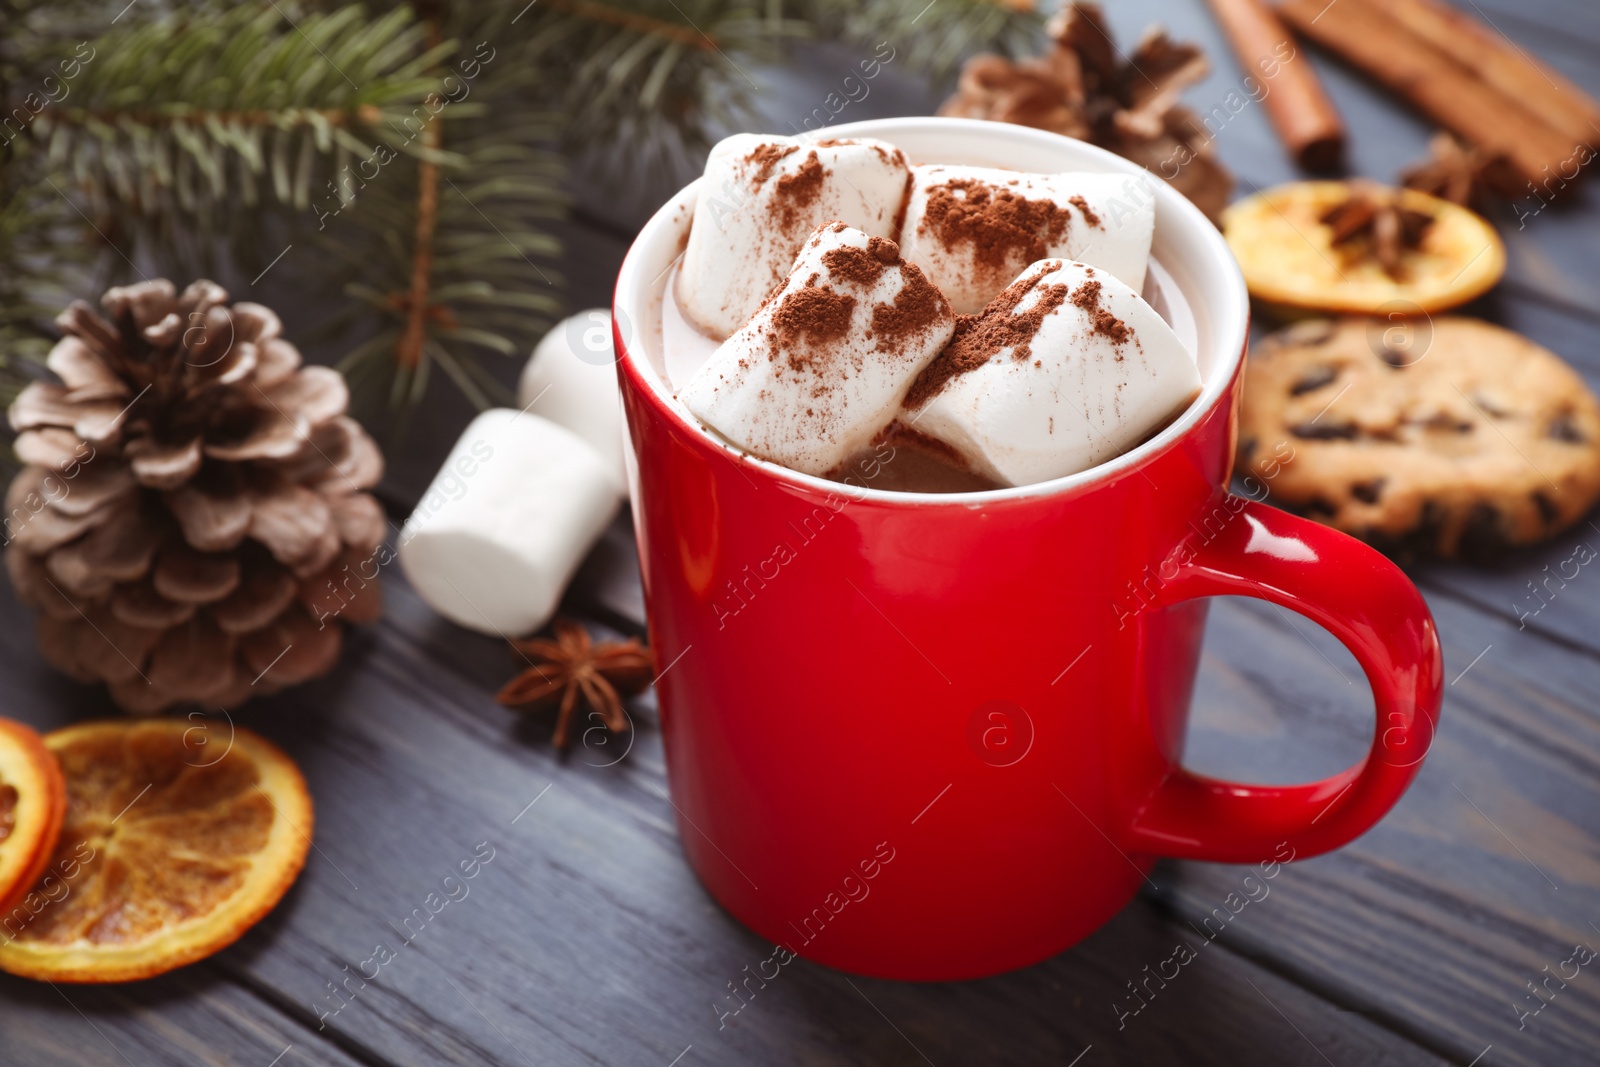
[919,736]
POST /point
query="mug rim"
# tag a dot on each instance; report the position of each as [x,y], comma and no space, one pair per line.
[1230,334]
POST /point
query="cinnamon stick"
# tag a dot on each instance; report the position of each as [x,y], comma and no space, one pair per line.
[1455,96]
[1561,105]
[1305,118]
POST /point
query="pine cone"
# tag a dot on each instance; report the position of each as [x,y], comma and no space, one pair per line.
[190,521]
[1081,87]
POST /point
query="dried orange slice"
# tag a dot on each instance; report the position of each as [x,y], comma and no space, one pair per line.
[33,802]
[175,844]
[1289,256]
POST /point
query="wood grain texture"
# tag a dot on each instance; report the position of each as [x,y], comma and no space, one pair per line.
[191,1018]
[1545,26]
[586,939]
[1485,873]
[1452,902]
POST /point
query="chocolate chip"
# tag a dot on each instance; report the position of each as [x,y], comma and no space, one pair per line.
[1562,428]
[1247,449]
[1311,332]
[1327,431]
[1484,535]
[1368,492]
[1431,525]
[1421,539]
[1315,380]
[1443,420]
[1547,508]
[1318,506]
[1396,358]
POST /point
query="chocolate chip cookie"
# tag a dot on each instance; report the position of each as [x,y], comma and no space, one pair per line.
[1453,437]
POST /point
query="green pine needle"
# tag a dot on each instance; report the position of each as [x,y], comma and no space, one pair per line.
[205,135]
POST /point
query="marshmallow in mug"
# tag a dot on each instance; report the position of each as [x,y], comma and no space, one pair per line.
[1067,368]
[571,379]
[506,522]
[825,363]
[972,230]
[760,198]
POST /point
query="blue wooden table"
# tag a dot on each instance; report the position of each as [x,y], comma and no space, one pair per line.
[1461,930]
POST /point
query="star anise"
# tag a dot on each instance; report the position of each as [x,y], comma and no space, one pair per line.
[1461,174]
[573,668]
[1373,217]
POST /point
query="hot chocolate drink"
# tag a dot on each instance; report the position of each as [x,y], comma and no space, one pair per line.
[838,310]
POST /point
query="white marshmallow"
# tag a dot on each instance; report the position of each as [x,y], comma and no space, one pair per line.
[823,366]
[507,520]
[760,199]
[972,253]
[571,379]
[1078,397]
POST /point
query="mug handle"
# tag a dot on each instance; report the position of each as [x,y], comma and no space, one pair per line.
[1369,605]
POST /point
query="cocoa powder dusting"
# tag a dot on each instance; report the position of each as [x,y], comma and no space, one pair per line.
[980,337]
[863,266]
[764,158]
[1087,297]
[1111,326]
[1085,210]
[797,192]
[917,306]
[807,322]
[1005,229]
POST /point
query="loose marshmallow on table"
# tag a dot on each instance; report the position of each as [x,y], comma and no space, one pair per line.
[972,230]
[571,379]
[1067,368]
[507,520]
[824,365]
[760,199]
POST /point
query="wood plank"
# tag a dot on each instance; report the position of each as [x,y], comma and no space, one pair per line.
[193,1017]
[584,938]
[1447,898]
[1486,872]
[1549,24]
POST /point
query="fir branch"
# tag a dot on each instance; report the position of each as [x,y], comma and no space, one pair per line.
[636,22]
[186,123]
[175,121]
[361,115]
[481,290]
[409,351]
[934,39]
[37,249]
[654,82]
